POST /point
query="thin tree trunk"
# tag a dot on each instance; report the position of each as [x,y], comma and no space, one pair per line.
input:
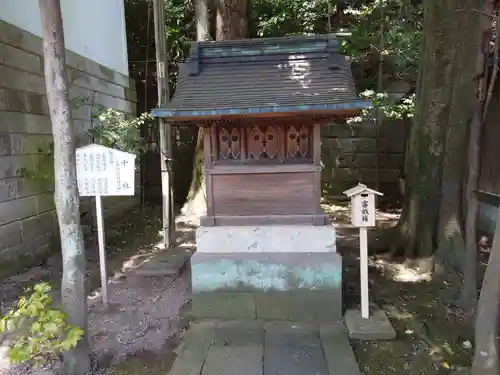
[67,201]
[202,20]
[469,291]
[486,354]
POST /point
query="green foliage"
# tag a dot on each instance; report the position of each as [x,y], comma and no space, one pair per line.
[382,102]
[39,333]
[111,128]
[401,24]
[288,17]
[116,131]
[180,29]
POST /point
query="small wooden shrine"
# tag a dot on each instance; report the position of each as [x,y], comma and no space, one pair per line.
[264,250]
[261,103]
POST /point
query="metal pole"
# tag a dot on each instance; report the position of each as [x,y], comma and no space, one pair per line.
[102,251]
[164,127]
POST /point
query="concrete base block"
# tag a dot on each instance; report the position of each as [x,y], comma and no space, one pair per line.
[376,327]
[226,306]
[268,286]
[266,239]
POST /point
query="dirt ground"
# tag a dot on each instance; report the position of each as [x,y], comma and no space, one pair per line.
[143,313]
[140,331]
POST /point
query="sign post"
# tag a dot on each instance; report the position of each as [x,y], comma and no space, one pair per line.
[363,216]
[103,171]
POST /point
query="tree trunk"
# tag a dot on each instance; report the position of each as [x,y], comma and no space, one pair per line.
[486,354]
[451,244]
[469,291]
[232,23]
[232,19]
[67,202]
[196,202]
[202,20]
[424,157]
[435,162]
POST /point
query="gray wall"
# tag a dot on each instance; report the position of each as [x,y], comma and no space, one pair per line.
[27,216]
[349,155]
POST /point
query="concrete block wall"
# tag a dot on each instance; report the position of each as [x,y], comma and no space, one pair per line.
[27,217]
[349,155]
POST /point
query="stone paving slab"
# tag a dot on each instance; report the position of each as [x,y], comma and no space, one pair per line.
[239,333]
[165,263]
[291,334]
[265,348]
[339,355]
[194,349]
[242,360]
[295,360]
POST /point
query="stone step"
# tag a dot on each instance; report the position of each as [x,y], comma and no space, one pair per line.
[168,264]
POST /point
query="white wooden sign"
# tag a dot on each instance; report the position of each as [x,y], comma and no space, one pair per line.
[103,171]
[363,215]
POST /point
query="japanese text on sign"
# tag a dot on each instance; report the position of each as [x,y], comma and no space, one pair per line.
[104,171]
[364,211]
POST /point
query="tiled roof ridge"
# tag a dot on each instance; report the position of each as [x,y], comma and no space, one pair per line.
[268,40]
[264,49]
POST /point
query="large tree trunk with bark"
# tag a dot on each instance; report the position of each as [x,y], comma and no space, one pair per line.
[67,202]
[424,157]
[487,352]
[451,245]
[231,23]
[232,19]
[435,162]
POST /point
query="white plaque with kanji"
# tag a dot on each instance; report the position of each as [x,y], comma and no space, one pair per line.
[363,211]
[104,171]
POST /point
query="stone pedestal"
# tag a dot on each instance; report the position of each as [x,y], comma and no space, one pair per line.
[376,327]
[270,272]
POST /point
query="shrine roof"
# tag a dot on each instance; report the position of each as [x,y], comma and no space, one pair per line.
[267,76]
[360,189]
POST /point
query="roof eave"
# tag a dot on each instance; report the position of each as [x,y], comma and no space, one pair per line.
[350,108]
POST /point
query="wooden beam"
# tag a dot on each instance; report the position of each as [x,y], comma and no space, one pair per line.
[301,114]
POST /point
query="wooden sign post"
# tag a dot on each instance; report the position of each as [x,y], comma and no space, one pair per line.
[103,171]
[363,216]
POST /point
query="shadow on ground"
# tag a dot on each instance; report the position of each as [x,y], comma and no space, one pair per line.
[432,337]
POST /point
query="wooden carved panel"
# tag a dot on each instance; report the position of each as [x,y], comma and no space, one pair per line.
[298,142]
[255,139]
[229,143]
[271,142]
[304,141]
[263,142]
